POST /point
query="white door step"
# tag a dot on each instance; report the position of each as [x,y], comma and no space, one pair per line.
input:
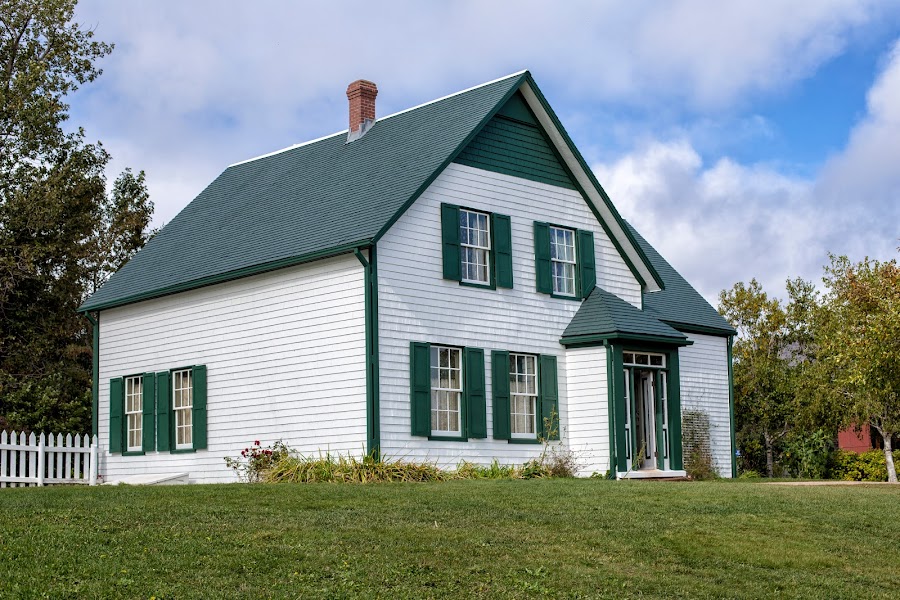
[151,479]
[652,474]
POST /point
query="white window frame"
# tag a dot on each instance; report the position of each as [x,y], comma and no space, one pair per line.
[515,392]
[134,417]
[477,250]
[649,359]
[437,391]
[183,415]
[567,265]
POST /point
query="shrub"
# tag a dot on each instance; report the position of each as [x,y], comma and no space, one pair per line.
[256,460]
[698,461]
[806,454]
[281,465]
[749,474]
[868,466]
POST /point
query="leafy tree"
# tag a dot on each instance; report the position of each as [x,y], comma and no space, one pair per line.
[61,234]
[763,386]
[857,335]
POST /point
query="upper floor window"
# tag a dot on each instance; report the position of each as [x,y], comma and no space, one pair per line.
[475,246]
[562,260]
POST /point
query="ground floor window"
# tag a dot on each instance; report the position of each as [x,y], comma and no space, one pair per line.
[182,396]
[446,390]
[134,401]
[523,386]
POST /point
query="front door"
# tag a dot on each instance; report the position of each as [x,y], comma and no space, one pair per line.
[647,411]
[645,419]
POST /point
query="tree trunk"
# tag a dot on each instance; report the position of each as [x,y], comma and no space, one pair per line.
[770,455]
[889,457]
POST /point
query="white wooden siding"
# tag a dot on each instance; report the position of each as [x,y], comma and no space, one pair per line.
[588,432]
[704,386]
[285,358]
[417,304]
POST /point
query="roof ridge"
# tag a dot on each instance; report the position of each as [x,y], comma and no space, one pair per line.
[448,96]
[406,110]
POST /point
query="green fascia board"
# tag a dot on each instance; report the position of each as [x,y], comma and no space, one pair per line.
[593,179]
[690,328]
[604,338]
[228,276]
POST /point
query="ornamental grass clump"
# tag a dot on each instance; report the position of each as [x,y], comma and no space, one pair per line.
[278,464]
[337,468]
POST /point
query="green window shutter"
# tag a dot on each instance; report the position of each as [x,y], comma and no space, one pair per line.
[164,411]
[198,376]
[148,419]
[450,239]
[116,411]
[476,404]
[420,388]
[503,251]
[542,258]
[587,266]
[500,393]
[549,398]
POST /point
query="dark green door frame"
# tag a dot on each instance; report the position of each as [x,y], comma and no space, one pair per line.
[620,452]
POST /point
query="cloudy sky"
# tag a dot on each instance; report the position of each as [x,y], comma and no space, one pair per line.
[743,139]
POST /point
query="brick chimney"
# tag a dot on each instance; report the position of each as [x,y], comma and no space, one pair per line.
[361,94]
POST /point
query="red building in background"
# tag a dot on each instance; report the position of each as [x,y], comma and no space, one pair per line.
[854,441]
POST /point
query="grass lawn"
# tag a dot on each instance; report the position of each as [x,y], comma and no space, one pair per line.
[512,539]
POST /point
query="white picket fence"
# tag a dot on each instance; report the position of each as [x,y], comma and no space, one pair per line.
[44,459]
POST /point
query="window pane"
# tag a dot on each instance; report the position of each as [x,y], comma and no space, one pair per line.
[656,361]
[642,359]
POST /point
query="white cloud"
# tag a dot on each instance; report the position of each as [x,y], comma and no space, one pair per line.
[726,222]
[192,85]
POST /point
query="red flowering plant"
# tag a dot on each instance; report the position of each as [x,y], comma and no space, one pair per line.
[255,460]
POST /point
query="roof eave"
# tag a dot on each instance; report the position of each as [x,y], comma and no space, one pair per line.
[228,276]
[594,339]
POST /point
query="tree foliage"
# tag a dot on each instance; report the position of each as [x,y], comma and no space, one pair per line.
[61,234]
[858,339]
[763,382]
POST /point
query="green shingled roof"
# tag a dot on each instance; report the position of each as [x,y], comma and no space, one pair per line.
[306,202]
[605,315]
[679,304]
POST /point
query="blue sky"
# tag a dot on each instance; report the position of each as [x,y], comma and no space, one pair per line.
[743,139]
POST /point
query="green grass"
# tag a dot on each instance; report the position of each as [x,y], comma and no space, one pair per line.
[506,539]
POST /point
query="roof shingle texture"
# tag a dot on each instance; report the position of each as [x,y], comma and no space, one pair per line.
[604,313]
[678,303]
[304,200]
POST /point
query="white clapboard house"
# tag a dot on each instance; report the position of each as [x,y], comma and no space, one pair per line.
[438,284]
